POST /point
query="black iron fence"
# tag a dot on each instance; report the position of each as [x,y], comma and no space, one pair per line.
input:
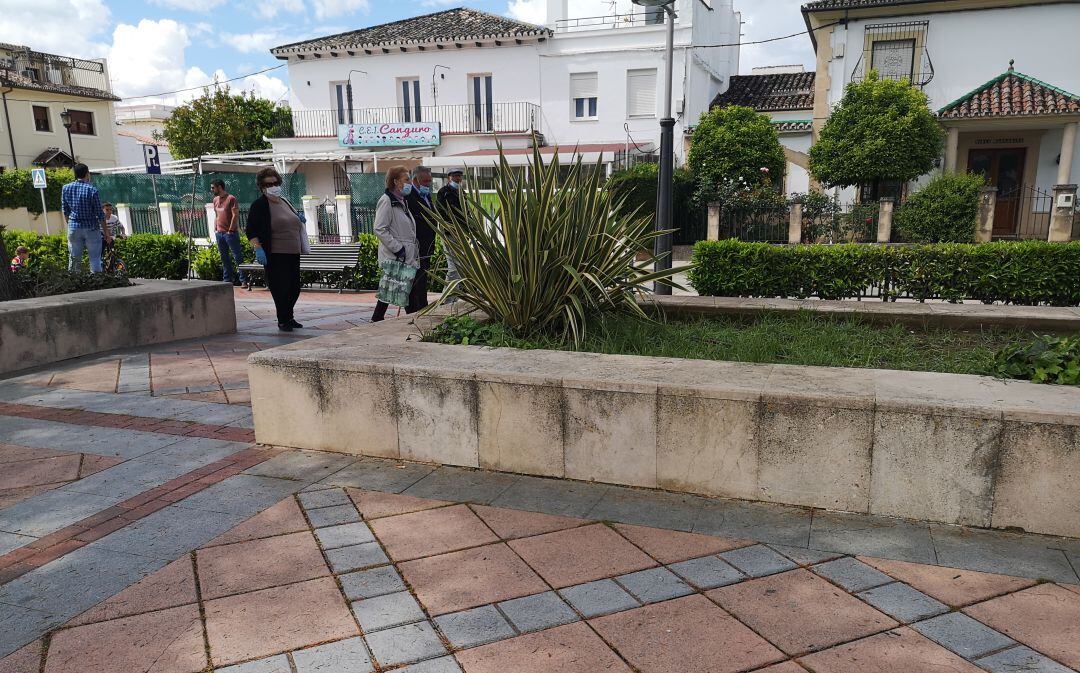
[1023,213]
[145,219]
[516,117]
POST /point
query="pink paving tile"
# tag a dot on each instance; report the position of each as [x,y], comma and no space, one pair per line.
[1045,618]
[259,564]
[284,517]
[469,578]
[374,505]
[573,648]
[581,555]
[168,641]
[784,667]
[14,495]
[513,523]
[100,377]
[37,472]
[216,397]
[431,532]
[671,546]
[686,635]
[169,587]
[799,612]
[902,650]
[1075,588]
[25,660]
[92,464]
[240,396]
[950,585]
[13,452]
[266,622]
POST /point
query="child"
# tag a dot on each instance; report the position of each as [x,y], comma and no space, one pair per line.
[112,221]
[22,256]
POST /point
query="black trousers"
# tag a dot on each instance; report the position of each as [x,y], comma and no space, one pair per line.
[283,278]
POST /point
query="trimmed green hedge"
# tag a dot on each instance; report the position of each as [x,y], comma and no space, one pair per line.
[146,255]
[17,189]
[1025,273]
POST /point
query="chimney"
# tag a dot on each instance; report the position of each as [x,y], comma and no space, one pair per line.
[556,11]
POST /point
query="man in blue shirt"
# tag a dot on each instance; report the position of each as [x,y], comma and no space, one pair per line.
[81,204]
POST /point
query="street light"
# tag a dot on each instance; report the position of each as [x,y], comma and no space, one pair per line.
[65,119]
[348,92]
[662,248]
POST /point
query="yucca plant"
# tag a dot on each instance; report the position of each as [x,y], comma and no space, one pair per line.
[555,250]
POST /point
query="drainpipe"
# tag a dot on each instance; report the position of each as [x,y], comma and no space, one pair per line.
[7,123]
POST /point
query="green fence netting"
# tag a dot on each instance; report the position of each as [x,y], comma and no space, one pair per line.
[138,188]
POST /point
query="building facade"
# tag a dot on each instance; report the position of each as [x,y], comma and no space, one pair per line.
[137,125]
[35,89]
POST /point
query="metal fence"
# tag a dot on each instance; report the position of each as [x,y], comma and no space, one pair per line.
[139,188]
[363,220]
[191,220]
[1023,213]
[145,219]
[766,224]
[328,229]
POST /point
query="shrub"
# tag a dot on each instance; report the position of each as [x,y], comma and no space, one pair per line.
[146,255]
[17,189]
[465,330]
[47,281]
[732,145]
[1024,273]
[1047,359]
[207,261]
[946,210]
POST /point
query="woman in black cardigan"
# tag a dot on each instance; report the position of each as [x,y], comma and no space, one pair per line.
[277,234]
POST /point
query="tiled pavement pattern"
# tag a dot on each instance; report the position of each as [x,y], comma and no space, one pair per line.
[132,542]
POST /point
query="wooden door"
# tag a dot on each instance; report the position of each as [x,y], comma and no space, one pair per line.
[1004,169]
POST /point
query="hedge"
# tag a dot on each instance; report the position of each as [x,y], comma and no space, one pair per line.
[146,255]
[1025,273]
[17,189]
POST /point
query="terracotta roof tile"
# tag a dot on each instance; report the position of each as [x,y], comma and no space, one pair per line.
[764,93]
[1012,94]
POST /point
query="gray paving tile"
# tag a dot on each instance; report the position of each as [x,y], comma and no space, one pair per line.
[344,656]
[654,585]
[11,541]
[405,644]
[552,496]
[371,583]
[344,535]
[325,498]
[851,574]
[673,511]
[383,612]
[903,603]
[963,635]
[21,626]
[1021,660]
[168,533]
[1032,556]
[756,521]
[538,612]
[440,665]
[804,556]
[601,597]
[707,572]
[13,390]
[276,664]
[356,557]
[217,414]
[333,516]
[243,493]
[116,442]
[380,475]
[50,511]
[872,536]
[758,560]
[461,485]
[309,466]
[478,626]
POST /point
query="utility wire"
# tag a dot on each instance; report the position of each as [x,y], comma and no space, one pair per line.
[771,39]
[214,83]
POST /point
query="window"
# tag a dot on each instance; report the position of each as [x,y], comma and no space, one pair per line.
[339,94]
[483,115]
[82,122]
[583,94]
[894,59]
[641,93]
[41,119]
[410,99]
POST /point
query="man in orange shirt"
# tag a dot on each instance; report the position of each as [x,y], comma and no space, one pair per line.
[227,233]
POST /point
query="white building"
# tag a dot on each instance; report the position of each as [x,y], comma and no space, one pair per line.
[590,83]
[137,124]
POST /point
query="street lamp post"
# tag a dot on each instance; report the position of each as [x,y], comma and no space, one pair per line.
[65,119]
[664,203]
[348,92]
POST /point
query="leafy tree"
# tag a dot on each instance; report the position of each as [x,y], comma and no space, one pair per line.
[220,121]
[881,130]
[731,145]
[946,210]
[637,187]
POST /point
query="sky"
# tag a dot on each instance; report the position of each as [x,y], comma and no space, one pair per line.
[157,46]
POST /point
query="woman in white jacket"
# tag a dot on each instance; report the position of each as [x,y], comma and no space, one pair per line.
[396,230]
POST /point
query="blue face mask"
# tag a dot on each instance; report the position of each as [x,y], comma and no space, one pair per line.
[407,189]
[455,185]
[424,191]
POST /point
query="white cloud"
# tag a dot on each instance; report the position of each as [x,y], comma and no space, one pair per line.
[269,10]
[265,86]
[191,5]
[439,3]
[773,18]
[325,9]
[529,11]
[149,57]
[66,27]
[260,41]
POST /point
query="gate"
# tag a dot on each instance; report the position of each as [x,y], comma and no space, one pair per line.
[366,189]
[1023,213]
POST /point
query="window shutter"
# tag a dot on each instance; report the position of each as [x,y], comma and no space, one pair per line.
[583,85]
[641,93]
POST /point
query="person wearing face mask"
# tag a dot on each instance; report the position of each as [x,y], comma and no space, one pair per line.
[419,198]
[277,233]
[449,204]
[396,231]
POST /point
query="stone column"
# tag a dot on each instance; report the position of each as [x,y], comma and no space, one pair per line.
[987,205]
[713,231]
[794,228]
[311,214]
[1068,150]
[952,150]
[343,203]
[168,223]
[123,211]
[1061,213]
[211,219]
[885,217]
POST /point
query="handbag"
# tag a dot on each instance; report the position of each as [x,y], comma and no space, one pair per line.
[396,282]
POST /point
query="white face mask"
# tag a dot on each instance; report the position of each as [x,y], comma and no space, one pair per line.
[274,191]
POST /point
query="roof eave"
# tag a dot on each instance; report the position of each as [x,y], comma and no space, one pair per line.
[284,51]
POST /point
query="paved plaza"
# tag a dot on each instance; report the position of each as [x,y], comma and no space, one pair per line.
[142,530]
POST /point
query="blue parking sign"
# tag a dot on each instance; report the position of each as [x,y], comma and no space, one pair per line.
[151,159]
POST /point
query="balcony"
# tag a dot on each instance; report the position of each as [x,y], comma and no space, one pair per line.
[52,72]
[650,17]
[453,119]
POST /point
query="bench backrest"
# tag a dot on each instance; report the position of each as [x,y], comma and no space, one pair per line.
[331,255]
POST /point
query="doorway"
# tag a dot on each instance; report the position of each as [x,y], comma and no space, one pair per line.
[1003,168]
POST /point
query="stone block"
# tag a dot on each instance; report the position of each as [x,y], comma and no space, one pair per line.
[937,468]
[405,644]
[437,420]
[478,626]
[851,574]
[1021,659]
[708,446]
[610,437]
[1036,487]
[521,428]
[356,557]
[383,612]
[963,635]
[371,583]
[537,612]
[344,535]
[707,572]
[813,455]
[654,585]
[344,656]
[758,560]
[903,603]
[601,597]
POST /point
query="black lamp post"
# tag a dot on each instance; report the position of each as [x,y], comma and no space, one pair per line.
[664,190]
[65,119]
[348,92]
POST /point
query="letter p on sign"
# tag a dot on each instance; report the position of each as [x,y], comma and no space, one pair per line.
[151,158]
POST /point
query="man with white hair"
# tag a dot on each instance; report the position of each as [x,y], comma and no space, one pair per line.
[418,197]
[449,202]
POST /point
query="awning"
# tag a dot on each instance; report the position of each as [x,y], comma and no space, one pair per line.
[519,156]
[53,157]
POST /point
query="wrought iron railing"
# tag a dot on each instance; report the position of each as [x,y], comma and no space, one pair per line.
[363,220]
[896,51]
[57,70]
[1023,213]
[453,119]
[650,17]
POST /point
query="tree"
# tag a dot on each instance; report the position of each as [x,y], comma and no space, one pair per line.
[881,130]
[731,145]
[219,121]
